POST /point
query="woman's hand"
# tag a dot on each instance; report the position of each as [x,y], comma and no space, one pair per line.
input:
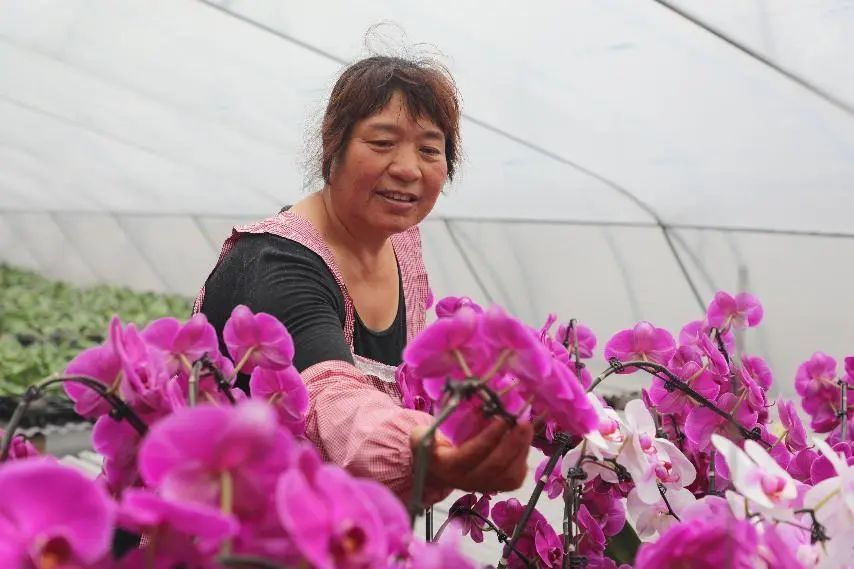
[496,460]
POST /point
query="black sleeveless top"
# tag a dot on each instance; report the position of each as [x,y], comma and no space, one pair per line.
[279,276]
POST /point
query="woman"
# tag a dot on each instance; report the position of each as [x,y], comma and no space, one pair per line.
[342,269]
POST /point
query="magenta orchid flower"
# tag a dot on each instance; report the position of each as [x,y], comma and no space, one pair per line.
[643,342]
[795,435]
[517,346]
[835,435]
[182,343]
[171,550]
[118,443]
[394,518]
[466,523]
[690,334]
[412,392]
[450,305]
[677,402]
[285,391]
[468,419]
[216,455]
[801,463]
[592,538]
[52,516]
[685,354]
[717,364]
[257,340]
[742,311]
[823,467]
[701,423]
[449,347]
[439,555]
[465,422]
[560,397]
[332,521]
[507,513]
[815,382]
[144,371]
[758,370]
[754,395]
[144,511]
[586,339]
[100,363]
[20,448]
[548,545]
[555,482]
[561,353]
[605,507]
[702,543]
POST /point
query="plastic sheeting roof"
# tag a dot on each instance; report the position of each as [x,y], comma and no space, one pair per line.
[656,147]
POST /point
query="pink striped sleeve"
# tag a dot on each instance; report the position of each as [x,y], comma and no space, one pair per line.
[360,428]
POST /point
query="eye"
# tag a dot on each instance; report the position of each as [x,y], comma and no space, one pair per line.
[432,151]
[381,143]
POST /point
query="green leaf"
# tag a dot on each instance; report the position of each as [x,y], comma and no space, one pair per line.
[623,547]
[45,323]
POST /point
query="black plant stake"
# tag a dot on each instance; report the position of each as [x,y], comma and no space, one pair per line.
[120,409]
[572,502]
[843,410]
[222,383]
[502,537]
[561,449]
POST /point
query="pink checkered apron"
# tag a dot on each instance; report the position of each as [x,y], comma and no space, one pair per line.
[417,297]
[416,291]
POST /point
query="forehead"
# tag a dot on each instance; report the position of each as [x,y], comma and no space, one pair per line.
[395,117]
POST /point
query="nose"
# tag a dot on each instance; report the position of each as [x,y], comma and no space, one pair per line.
[404,165]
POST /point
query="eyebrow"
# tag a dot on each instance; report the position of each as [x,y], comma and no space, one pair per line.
[391,128]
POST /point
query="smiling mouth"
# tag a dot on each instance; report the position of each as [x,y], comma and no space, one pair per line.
[398,196]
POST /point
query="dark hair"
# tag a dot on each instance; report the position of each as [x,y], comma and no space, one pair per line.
[364,88]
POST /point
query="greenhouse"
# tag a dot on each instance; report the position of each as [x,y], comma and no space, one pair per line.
[622,162]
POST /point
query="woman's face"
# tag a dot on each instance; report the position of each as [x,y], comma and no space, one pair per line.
[392,171]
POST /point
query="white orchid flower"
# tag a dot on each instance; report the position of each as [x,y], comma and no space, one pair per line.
[758,477]
[651,460]
[650,520]
[833,498]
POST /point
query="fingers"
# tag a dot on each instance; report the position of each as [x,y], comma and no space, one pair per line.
[505,467]
[511,460]
[494,460]
[474,450]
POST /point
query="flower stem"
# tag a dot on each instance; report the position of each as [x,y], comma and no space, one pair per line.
[193,391]
[151,549]
[502,357]
[185,362]
[244,561]
[226,503]
[242,362]
[779,440]
[463,364]
[825,500]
